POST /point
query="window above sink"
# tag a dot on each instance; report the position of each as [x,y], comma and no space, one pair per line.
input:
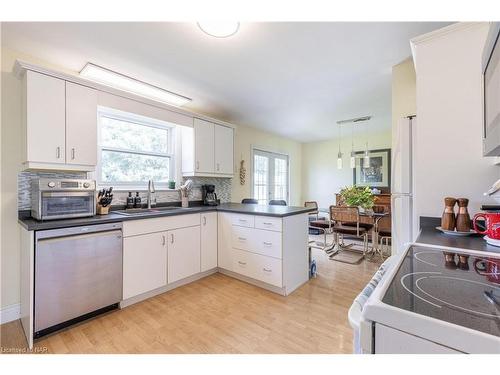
[133,149]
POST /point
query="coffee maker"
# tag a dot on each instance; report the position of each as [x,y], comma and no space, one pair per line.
[209,195]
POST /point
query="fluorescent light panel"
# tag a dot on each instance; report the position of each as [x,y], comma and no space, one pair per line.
[120,81]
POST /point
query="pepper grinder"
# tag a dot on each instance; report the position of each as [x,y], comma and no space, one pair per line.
[448,218]
[463,218]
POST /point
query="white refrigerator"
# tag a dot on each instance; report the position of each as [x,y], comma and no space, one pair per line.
[402,184]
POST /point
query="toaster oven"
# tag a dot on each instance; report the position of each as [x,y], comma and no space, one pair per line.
[62,199]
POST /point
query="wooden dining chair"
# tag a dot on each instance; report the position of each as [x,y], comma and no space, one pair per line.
[347,222]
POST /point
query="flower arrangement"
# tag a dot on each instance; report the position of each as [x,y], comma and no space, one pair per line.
[358,197]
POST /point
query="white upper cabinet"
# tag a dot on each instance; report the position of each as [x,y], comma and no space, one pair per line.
[204,146]
[44,118]
[81,125]
[207,150]
[60,123]
[223,150]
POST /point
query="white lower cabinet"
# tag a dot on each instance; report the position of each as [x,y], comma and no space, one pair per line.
[144,263]
[270,250]
[259,267]
[208,245]
[183,253]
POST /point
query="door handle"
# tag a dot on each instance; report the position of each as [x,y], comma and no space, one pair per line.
[242,238]
[268,243]
[58,152]
[242,263]
[171,238]
[218,167]
[164,240]
[204,220]
[197,165]
[73,154]
[267,270]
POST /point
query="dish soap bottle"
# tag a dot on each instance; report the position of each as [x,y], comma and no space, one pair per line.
[130,200]
[137,200]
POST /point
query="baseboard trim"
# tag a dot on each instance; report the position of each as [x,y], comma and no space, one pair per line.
[10,313]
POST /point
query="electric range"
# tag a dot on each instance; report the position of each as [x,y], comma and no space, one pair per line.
[450,298]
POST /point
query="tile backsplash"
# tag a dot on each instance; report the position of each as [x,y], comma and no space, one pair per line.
[222,188]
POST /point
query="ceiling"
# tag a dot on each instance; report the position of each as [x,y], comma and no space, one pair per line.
[295,79]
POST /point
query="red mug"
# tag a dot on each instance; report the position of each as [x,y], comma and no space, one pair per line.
[492,221]
[489,267]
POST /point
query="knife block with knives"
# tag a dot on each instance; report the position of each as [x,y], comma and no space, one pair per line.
[104,199]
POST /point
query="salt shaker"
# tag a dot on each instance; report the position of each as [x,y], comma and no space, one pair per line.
[448,218]
[463,218]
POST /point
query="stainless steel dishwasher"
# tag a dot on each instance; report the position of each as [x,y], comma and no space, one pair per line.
[78,274]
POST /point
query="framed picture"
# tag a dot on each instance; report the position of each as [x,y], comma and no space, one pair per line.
[378,174]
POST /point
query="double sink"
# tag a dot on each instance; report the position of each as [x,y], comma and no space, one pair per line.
[147,211]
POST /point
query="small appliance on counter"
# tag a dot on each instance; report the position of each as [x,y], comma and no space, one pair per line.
[62,198]
[209,195]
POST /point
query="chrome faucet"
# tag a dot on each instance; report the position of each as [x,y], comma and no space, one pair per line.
[151,194]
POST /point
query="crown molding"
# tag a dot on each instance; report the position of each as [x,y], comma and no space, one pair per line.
[440,33]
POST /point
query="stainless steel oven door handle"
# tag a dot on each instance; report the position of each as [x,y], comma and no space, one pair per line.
[56,194]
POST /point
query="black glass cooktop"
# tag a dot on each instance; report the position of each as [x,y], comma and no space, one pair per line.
[458,288]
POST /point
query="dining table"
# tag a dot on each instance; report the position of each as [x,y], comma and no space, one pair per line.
[368,217]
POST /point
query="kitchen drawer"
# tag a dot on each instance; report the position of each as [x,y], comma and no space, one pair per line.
[268,223]
[258,241]
[242,263]
[267,269]
[258,267]
[143,226]
[243,220]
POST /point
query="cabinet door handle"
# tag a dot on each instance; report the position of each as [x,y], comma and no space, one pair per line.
[267,223]
[267,270]
[171,238]
[218,167]
[197,165]
[242,220]
[204,220]
[242,238]
[58,152]
[268,243]
[242,263]
[73,154]
[164,240]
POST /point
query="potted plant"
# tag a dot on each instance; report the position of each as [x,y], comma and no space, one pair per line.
[356,196]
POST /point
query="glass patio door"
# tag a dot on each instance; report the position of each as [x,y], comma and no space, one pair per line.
[270,176]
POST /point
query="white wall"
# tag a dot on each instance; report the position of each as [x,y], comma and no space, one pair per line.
[448,154]
[246,138]
[321,179]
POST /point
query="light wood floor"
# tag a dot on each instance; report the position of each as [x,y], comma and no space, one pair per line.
[219,314]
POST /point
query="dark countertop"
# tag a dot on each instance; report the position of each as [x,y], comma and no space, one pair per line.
[250,209]
[431,236]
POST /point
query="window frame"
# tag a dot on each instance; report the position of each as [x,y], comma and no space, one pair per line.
[140,121]
[275,154]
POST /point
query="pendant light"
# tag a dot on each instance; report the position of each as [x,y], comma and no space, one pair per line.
[366,157]
[339,155]
[353,154]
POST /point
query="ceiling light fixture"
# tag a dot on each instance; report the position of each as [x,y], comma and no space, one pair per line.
[122,82]
[339,155]
[353,154]
[219,29]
